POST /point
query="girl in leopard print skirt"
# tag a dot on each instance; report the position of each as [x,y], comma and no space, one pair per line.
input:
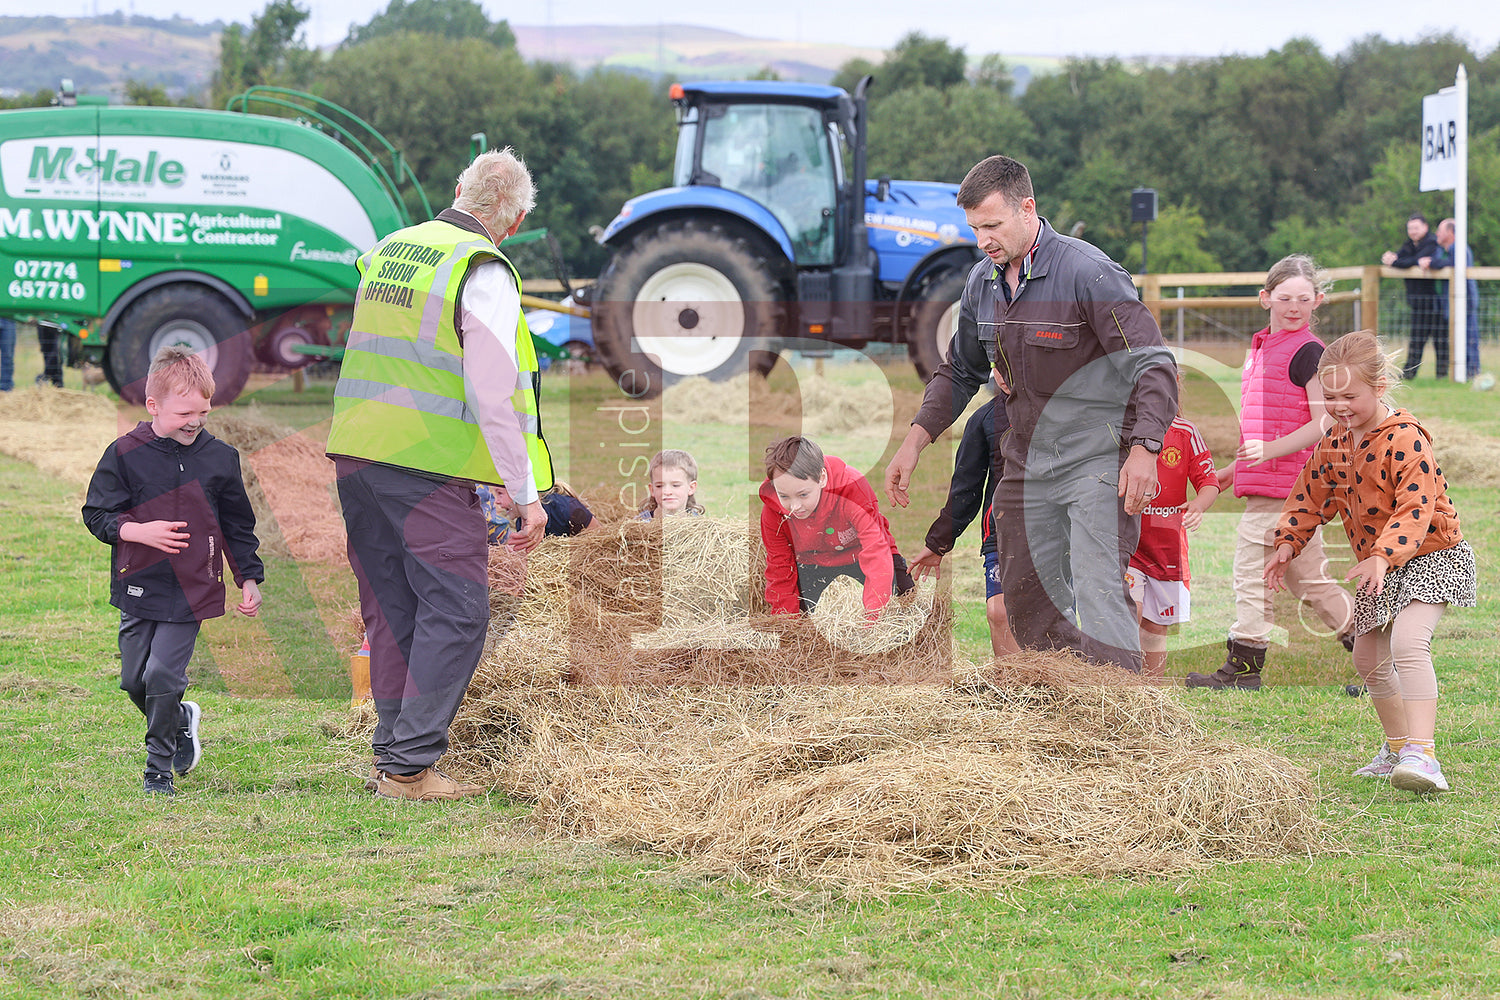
[1375,468]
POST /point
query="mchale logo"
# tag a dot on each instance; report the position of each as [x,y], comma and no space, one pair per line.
[65,165]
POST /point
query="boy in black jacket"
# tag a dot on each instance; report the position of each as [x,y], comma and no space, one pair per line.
[976,469]
[170,499]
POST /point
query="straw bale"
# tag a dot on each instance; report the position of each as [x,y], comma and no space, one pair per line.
[839,617]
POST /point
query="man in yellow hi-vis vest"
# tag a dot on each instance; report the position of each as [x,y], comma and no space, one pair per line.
[438,392]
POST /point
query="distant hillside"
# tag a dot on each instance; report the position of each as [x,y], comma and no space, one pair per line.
[677,50]
[102,53]
[681,51]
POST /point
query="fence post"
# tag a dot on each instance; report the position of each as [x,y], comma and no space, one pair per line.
[1151,295]
[1369,298]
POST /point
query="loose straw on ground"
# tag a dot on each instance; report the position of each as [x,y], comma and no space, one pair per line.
[802,764]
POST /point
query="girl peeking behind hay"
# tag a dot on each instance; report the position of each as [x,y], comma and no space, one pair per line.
[672,486]
[566,513]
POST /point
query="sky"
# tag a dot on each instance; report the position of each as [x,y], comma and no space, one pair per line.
[1086,27]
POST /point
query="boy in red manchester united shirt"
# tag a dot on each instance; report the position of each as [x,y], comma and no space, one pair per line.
[1158,571]
[819,519]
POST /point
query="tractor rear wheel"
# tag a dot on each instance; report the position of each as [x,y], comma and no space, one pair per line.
[934,322]
[183,314]
[684,301]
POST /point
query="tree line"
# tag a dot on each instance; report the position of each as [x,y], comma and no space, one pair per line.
[1253,157]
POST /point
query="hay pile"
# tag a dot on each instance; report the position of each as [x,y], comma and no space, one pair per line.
[63,432]
[290,482]
[813,765]
[1038,767]
[826,407]
[680,601]
[1466,456]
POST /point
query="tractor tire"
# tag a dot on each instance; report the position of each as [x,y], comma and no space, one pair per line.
[682,301]
[185,314]
[934,322]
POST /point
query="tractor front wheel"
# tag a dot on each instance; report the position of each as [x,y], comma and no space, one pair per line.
[934,322]
[684,301]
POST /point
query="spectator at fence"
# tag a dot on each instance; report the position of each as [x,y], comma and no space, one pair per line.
[1422,295]
[1447,236]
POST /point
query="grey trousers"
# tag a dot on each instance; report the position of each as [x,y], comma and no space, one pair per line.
[1065,542]
[154,658]
[419,551]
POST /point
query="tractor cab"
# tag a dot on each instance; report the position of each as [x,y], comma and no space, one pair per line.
[775,143]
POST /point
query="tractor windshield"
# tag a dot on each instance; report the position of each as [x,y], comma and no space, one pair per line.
[779,155]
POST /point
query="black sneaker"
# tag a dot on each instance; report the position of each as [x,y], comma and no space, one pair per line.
[189,748]
[159,783]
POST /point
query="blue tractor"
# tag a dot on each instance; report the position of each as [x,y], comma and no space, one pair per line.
[772,237]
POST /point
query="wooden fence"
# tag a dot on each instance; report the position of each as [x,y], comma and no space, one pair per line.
[1355,298]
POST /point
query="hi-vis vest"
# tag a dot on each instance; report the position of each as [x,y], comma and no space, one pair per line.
[400,397]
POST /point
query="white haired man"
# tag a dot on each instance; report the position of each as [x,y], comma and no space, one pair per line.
[438,392]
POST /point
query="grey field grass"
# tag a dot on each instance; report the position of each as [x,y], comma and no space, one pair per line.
[272,874]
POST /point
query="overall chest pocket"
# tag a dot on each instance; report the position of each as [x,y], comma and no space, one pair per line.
[1048,359]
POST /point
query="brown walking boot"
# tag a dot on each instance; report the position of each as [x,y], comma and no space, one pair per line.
[1241,670]
[428,785]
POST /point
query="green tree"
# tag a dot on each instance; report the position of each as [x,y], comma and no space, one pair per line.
[447,89]
[919,61]
[142,93]
[1381,85]
[852,71]
[924,133]
[455,19]
[1174,243]
[994,74]
[1378,221]
[585,139]
[272,51]
[41,99]
[1079,109]
[609,135]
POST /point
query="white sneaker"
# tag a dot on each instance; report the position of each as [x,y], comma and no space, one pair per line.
[189,747]
[1417,772]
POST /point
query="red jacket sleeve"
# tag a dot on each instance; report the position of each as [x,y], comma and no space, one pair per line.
[781,562]
[875,556]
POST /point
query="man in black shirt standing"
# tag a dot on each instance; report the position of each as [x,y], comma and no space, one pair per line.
[1422,296]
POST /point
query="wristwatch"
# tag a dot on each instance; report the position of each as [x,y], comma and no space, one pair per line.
[1153,445]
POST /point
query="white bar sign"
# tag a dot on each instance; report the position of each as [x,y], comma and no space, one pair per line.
[1442,141]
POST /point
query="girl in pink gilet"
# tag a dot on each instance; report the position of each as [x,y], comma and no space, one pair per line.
[1281,417]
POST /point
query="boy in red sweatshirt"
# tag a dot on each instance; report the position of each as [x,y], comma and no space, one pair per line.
[820,519]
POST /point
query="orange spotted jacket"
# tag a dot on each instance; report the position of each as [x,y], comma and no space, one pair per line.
[1386,487]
